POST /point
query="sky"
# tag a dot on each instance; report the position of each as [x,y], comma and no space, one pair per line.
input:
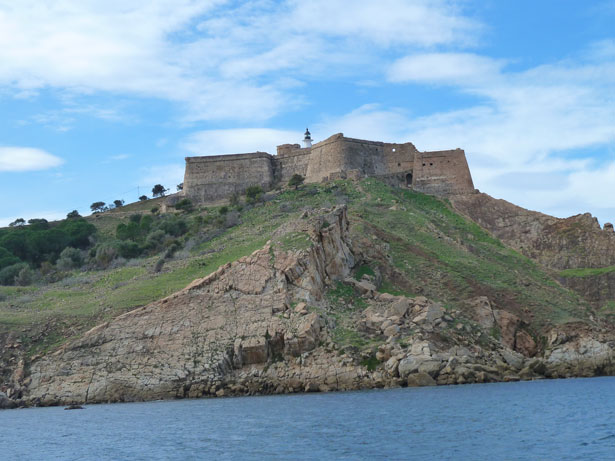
[102,100]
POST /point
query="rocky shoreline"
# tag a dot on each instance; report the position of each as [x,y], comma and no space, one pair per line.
[273,323]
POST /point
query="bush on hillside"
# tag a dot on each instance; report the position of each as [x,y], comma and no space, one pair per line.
[70,258]
[8,274]
[254,194]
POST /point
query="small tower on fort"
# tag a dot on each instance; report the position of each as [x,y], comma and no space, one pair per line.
[307,140]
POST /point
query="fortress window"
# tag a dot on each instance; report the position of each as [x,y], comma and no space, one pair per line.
[399,164]
[423,164]
[431,164]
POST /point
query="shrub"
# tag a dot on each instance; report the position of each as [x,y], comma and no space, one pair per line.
[105,254]
[184,205]
[173,225]
[154,239]
[155,210]
[24,277]
[143,198]
[7,259]
[70,258]
[8,274]
[159,264]
[254,194]
[129,249]
[296,180]
[223,210]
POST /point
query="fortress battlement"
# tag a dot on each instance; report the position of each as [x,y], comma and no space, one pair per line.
[212,178]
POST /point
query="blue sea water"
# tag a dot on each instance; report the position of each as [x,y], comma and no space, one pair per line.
[540,420]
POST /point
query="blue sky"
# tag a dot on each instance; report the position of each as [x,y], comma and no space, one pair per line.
[102,100]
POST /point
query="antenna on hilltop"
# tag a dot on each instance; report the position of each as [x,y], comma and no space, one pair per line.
[307,140]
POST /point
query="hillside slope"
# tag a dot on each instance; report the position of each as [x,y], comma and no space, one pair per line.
[581,253]
[391,287]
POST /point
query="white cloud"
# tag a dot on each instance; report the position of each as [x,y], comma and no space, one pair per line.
[386,22]
[209,55]
[445,68]
[26,159]
[242,140]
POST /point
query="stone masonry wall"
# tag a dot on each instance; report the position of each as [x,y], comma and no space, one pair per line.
[218,177]
[399,157]
[438,173]
[291,159]
[442,173]
[336,156]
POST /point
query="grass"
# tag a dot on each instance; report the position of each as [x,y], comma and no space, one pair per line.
[294,241]
[344,297]
[364,270]
[439,253]
[586,272]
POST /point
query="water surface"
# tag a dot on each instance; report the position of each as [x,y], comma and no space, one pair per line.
[558,419]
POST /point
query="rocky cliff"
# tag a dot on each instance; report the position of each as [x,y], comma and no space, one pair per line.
[297,315]
[577,242]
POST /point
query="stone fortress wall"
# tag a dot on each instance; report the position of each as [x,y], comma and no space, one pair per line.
[337,157]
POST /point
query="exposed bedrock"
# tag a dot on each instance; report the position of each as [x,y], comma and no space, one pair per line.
[266,324]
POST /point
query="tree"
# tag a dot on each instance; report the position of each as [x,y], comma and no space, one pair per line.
[97,207]
[158,190]
[38,223]
[143,198]
[18,222]
[73,214]
[296,180]
[254,194]
[180,186]
[118,203]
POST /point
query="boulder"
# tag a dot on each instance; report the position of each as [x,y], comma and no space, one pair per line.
[390,331]
[5,402]
[420,379]
[482,311]
[399,308]
[429,314]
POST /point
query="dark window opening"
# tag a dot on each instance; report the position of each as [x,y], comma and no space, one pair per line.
[423,164]
[399,164]
[409,179]
[431,164]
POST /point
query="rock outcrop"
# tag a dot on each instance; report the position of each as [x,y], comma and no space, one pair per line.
[577,242]
[268,323]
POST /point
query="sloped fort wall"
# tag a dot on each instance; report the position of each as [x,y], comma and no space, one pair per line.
[439,173]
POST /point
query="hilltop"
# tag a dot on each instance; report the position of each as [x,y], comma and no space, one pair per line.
[340,285]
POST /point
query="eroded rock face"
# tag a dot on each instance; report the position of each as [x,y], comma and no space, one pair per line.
[199,336]
[577,241]
[264,324]
[574,242]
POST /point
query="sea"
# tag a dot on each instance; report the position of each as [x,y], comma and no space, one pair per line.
[571,419]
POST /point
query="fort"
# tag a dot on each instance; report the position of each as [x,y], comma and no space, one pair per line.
[442,173]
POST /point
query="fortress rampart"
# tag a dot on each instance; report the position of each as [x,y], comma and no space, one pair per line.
[441,173]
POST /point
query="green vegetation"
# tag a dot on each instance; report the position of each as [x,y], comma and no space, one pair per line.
[295,241]
[82,271]
[344,297]
[586,272]
[364,270]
